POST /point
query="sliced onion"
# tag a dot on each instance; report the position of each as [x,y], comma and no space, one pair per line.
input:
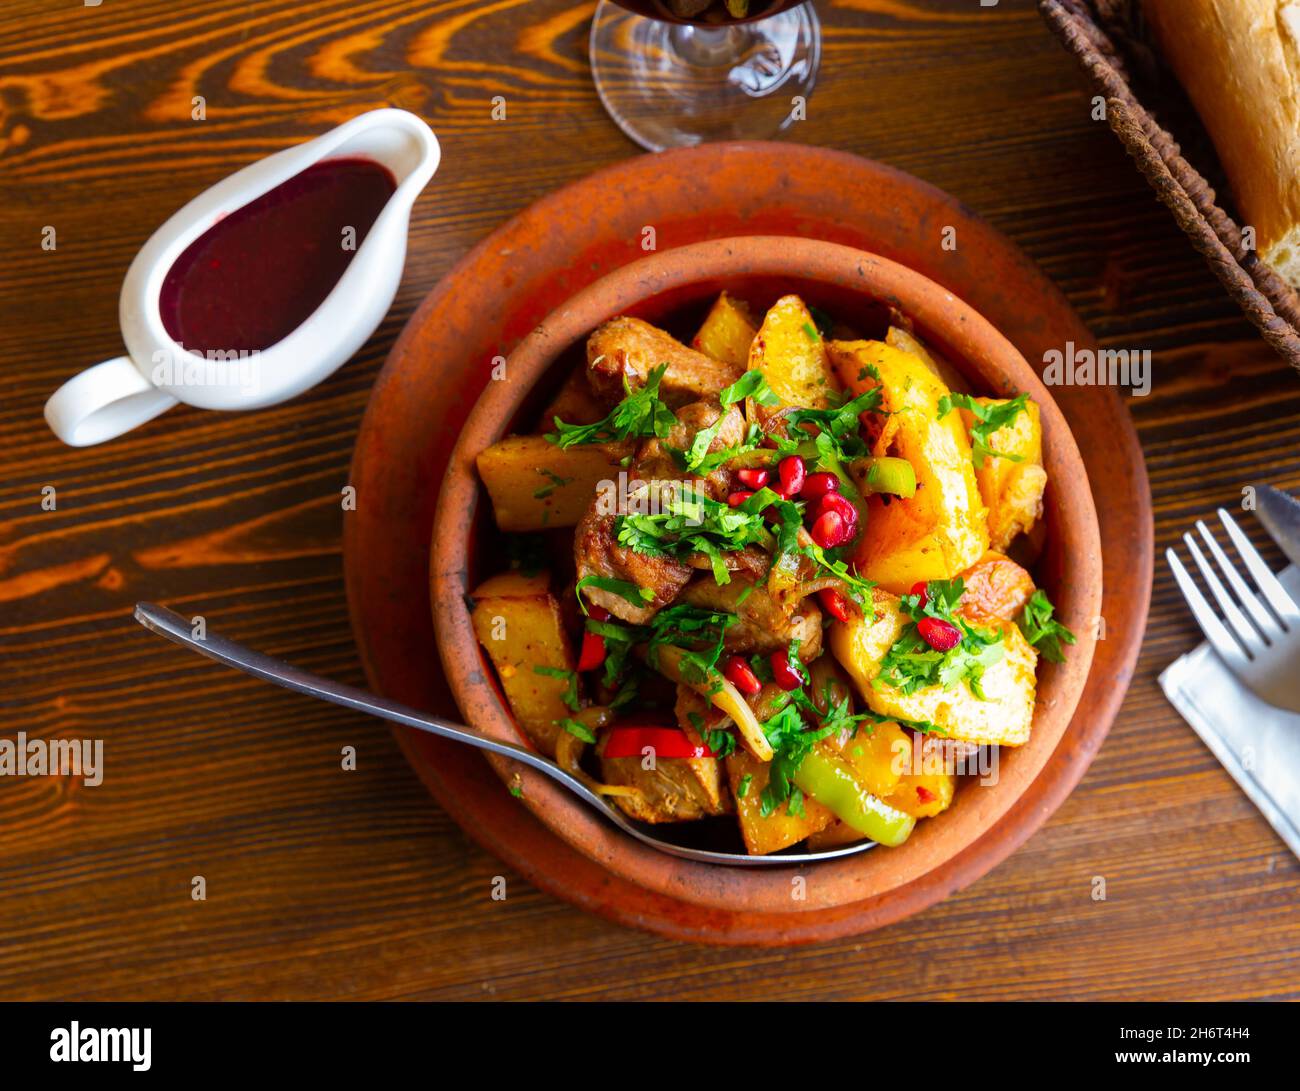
[721,694]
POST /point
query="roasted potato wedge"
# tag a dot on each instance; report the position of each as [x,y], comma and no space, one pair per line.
[904,341]
[923,795]
[778,830]
[1012,491]
[536,485]
[879,753]
[517,620]
[791,354]
[630,348]
[943,528]
[727,332]
[1004,716]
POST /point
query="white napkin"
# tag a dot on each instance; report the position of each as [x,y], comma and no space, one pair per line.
[1257,743]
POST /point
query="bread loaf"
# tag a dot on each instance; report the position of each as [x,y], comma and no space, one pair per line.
[1239,62]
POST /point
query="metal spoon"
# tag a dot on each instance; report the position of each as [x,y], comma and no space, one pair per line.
[174,627]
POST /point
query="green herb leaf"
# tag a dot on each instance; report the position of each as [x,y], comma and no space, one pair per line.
[570,696]
[1042,631]
[699,634]
[840,424]
[557,482]
[699,460]
[624,589]
[689,522]
[988,420]
[640,413]
[789,523]
[580,731]
[911,664]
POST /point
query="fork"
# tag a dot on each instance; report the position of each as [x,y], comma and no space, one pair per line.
[1259,641]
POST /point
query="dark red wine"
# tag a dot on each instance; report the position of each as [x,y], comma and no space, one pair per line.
[254,276]
[706,12]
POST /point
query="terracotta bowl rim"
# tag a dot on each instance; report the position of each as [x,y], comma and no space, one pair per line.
[979,349]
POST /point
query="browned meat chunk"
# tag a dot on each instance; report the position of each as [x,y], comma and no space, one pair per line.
[655,459]
[762,627]
[674,790]
[628,347]
[597,553]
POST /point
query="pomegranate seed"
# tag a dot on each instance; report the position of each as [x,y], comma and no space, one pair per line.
[919,588]
[827,530]
[786,674]
[593,652]
[842,506]
[741,675]
[754,479]
[738,498]
[941,635]
[818,485]
[924,794]
[792,474]
[834,504]
[598,612]
[835,603]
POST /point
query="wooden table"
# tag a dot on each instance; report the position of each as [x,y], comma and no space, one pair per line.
[325,883]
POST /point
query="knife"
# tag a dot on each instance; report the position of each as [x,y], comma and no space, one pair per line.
[1280,514]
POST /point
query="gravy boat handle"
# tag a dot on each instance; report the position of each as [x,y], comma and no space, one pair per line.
[103,402]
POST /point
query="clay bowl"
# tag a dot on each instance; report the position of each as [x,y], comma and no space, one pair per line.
[674,288]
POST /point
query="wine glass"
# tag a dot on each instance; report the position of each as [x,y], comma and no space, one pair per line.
[678,72]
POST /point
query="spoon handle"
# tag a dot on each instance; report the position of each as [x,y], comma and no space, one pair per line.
[174,627]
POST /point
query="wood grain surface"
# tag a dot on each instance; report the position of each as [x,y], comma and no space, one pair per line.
[324,883]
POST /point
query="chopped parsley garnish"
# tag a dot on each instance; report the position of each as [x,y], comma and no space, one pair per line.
[742,789]
[788,541]
[640,413]
[1042,630]
[570,695]
[619,642]
[698,459]
[624,589]
[839,424]
[688,523]
[911,663]
[556,480]
[577,730]
[718,739]
[697,633]
[791,741]
[810,331]
[988,420]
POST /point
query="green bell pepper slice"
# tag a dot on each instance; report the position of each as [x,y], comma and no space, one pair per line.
[832,783]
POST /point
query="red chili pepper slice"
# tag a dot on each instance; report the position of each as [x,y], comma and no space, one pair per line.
[630,740]
[593,652]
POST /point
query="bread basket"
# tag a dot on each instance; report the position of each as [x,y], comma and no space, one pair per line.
[1110,42]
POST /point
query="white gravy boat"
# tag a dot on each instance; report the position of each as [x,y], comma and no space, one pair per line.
[111,398]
